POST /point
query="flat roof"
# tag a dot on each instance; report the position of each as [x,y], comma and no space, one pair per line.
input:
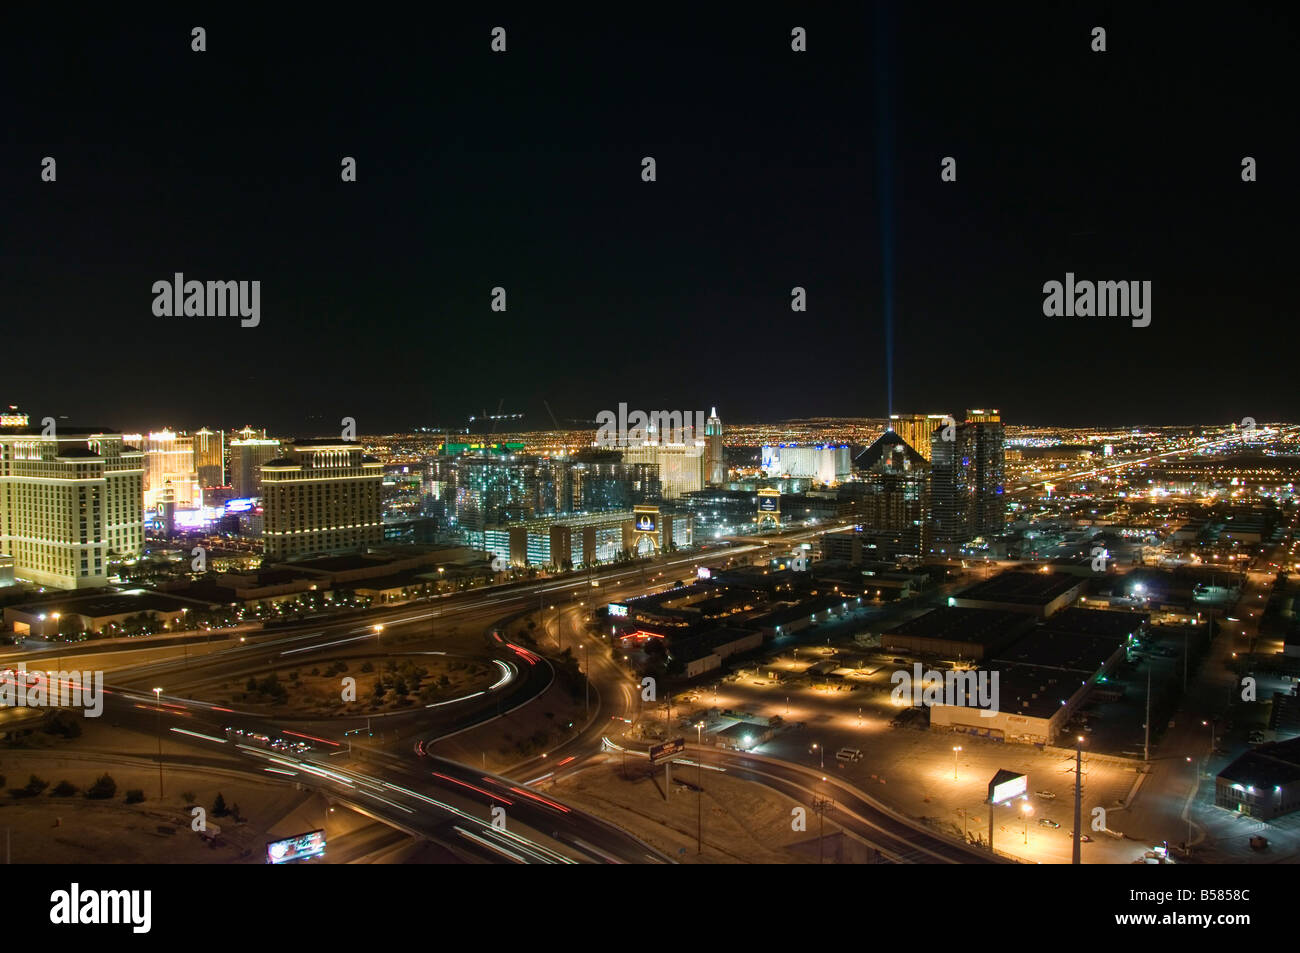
[1064,651]
[1099,622]
[982,626]
[1022,588]
[109,604]
[1267,766]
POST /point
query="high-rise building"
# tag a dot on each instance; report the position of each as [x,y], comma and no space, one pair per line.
[169,463]
[895,507]
[68,503]
[717,474]
[601,481]
[951,489]
[247,457]
[966,481]
[989,513]
[321,496]
[916,429]
[210,457]
[493,489]
[681,465]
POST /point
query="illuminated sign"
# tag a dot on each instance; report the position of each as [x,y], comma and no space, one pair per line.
[298,847]
[1007,785]
[667,749]
[618,610]
[704,572]
[767,504]
[645,523]
[238,506]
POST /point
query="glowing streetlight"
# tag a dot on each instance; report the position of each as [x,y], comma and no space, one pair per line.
[157,694]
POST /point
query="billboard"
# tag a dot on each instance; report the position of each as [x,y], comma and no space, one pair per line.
[703,572]
[767,504]
[667,749]
[1007,785]
[618,610]
[647,522]
[297,847]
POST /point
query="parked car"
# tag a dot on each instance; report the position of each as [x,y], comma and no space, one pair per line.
[1048,822]
[1045,795]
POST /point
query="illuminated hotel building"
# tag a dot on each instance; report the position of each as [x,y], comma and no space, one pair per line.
[717,474]
[682,464]
[68,502]
[587,539]
[247,457]
[321,496]
[967,482]
[916,429]
[989,514]
[210,457]
[169,461]
[492,489]
[823,463]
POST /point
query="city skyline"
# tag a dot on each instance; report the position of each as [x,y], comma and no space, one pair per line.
[664,436]
[776,170]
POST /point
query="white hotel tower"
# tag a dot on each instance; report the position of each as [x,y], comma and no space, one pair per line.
[67,502]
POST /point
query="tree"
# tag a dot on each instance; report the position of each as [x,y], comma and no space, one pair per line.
[219,808]
[134,796]
[64,788]
[105,787]
[36,785]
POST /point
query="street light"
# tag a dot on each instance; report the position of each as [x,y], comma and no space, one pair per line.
[157,694]
[379,635]
[1027,809]
[586,679]
[955,750]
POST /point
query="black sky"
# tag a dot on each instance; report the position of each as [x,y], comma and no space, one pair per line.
[523,170]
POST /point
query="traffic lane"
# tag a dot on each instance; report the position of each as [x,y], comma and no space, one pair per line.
[391,789]
[907,841]
[545,814]
[443,813]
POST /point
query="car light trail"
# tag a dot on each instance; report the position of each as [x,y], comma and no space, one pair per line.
[496,848]
[452,701]
[196,734]
[298,734]
[474,787]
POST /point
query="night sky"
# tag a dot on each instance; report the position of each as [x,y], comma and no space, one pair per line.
[775,169]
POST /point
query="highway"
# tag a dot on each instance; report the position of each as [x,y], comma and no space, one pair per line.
[451,804]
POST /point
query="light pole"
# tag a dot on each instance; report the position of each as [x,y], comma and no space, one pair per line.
[699,790]
[157,694]
[821,753]
[1076,856]
[955,750]
[586,679]
[379,635]
[59,665]
[1027,809]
